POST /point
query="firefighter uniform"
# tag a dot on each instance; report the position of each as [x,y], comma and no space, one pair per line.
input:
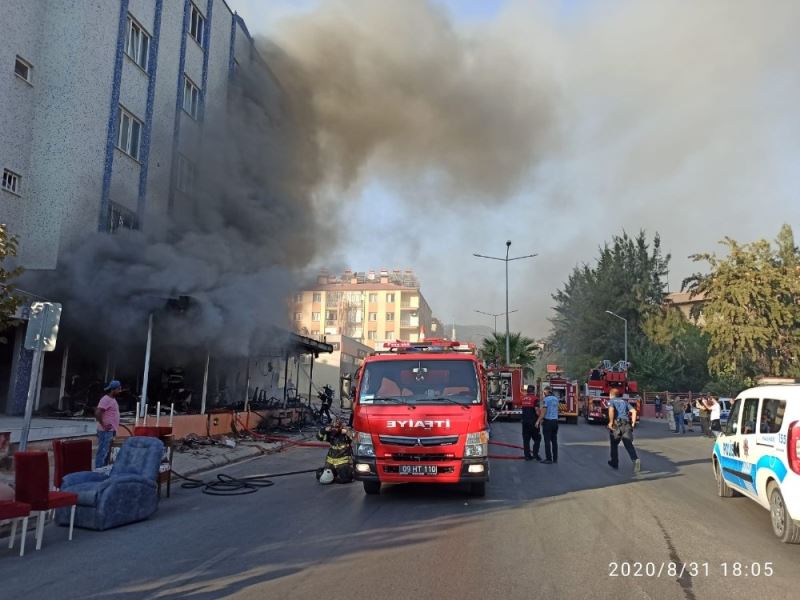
[340,455]
[529,427]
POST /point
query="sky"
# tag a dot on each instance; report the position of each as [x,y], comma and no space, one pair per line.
[676,118]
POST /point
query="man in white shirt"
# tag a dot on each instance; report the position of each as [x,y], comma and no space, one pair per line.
[715,409]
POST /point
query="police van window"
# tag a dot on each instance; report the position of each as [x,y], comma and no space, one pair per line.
[733,419]
[772,415]
[749,416]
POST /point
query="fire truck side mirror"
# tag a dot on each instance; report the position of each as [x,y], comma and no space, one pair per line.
[344,392]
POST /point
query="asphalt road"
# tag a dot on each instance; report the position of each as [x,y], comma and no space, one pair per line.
[542,531]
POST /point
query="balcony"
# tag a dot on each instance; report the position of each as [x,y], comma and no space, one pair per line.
[410,322]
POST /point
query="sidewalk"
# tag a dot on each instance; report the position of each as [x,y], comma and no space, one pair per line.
[204,458]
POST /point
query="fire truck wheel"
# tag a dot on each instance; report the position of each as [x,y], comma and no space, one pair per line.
[477,489]
[372,487]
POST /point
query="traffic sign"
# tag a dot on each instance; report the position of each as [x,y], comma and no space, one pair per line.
[43,326]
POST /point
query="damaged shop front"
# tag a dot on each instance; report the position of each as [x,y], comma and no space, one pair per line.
[196,390]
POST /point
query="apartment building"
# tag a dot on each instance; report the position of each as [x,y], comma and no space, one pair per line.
[101,105]
[371,307]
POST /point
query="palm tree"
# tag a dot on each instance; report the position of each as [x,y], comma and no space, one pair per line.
[523,350]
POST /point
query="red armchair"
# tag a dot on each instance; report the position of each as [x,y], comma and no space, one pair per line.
[16,511]
[70,456]
[32,475]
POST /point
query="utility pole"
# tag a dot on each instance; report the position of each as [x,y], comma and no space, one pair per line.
[495,315]
[506,260]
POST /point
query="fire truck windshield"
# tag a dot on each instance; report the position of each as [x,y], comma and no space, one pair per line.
[420,382]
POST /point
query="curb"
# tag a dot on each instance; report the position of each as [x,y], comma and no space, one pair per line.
[209,463]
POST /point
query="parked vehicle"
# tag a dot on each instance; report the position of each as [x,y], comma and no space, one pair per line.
[758,454]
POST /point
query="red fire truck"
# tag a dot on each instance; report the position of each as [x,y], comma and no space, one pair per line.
[504,386]
[602,379]
[566,390]
[420,414]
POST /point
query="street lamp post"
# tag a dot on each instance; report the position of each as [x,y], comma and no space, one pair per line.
[613,314]
[495,315]
[506,260]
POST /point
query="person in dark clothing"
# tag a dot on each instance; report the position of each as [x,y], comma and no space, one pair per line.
[659,405]
[548,418]
[339,461]
[326,400]
[621,421]
[530,428]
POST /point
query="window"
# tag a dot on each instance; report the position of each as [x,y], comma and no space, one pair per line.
[772,412]
[298,316]
[389,335]
[120,218]
[130,133]
[330,315]
[298,297]
[373,298]
[390,316]
[11,181]
[187,174]
[315,316]
[749,415]
[333,298]
[733,419]
[191,97]
[137,43]
[317,297]
[372,335]
[389,298]
[197,25]
[22,69]
[373,316]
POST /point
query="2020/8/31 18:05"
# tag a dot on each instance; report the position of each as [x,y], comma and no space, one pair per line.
[693,569]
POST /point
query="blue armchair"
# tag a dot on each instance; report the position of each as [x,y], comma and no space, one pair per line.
[126,495]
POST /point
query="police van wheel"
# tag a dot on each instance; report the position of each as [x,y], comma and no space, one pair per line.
[477,489]
[372,487]
[723,489]
[784,528]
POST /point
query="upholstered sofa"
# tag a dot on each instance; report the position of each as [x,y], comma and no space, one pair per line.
[126,495]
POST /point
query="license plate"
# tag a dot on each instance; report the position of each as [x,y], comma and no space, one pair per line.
[418,470]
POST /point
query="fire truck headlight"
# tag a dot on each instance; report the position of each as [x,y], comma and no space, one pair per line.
[364,445]
[477,444]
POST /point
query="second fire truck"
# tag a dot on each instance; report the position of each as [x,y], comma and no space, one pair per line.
[602,379]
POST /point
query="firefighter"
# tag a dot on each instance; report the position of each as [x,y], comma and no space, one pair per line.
[339,461]
[530,428]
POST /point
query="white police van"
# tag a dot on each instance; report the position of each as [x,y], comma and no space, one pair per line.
[758,454]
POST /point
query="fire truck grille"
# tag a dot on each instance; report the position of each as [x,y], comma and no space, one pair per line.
[434,440]
[420,457]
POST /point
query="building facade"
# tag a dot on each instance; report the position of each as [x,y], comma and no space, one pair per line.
[101,102]
[372,308]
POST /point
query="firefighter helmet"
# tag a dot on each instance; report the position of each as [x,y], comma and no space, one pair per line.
[326,477]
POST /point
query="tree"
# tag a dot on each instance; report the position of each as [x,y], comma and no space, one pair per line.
[627,279]
[673,353]
[9,303]
[752,308]
[523,350]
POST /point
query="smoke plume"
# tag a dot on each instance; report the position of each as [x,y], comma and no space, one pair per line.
[398,92]
[571,121]
[235,245]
